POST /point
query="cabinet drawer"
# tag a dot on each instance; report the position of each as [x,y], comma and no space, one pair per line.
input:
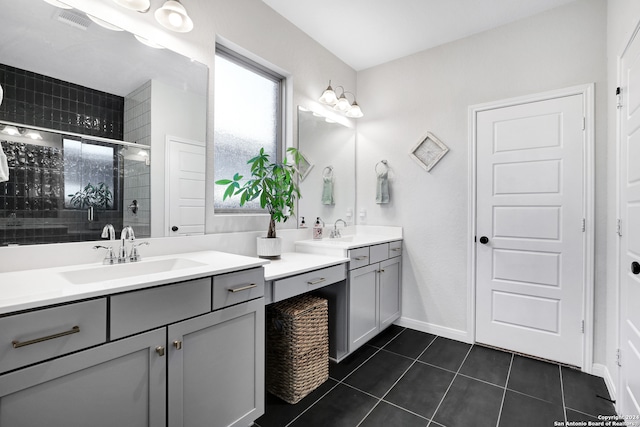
[64,329]
[378,253]
[395,248]
[359,257]
[233,288]
[296,285]
[149,308]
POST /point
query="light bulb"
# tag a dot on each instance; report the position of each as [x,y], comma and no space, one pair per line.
[175,19]
[342,104]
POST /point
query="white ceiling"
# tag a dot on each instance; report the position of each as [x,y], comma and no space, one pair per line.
[365,33]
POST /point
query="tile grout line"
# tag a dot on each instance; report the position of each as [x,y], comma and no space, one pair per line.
[397,381]
[317,400]
[564,404]
[450,384]
[504,394]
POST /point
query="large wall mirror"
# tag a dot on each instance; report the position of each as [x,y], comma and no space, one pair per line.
[328,178]
[99,102]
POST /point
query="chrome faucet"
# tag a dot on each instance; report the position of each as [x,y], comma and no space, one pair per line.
[108,232]
[335,233]
[127,233]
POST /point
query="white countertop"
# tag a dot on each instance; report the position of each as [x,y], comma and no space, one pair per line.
[348,242]
[29,289]
[292,263]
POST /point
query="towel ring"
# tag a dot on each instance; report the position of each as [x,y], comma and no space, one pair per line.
[383,163]
[330,172]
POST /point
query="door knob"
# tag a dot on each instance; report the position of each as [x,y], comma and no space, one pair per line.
[635,267]
[174,228]
[484,240]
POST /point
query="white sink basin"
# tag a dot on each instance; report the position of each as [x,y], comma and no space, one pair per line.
[122,271]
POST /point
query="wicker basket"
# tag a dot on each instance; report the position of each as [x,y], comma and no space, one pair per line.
[297,347]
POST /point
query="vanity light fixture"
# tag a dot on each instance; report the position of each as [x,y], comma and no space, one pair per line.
[173,16]
[141,6]
[341,103]
[32,134]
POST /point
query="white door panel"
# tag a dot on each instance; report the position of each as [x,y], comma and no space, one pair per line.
[186,183]
[530,275]
[629,375]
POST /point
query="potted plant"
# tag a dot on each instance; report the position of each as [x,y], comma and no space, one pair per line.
[275,186]
[92,197]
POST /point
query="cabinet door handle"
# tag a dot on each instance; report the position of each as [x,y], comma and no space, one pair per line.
[315,282]
[177,345]
[243,288]
[18,344]
[160,351]
[360,258]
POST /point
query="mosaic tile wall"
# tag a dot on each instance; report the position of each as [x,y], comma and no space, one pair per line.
[38,100]
[32,201]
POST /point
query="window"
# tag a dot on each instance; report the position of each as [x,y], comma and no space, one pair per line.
[91,173]
[247,117]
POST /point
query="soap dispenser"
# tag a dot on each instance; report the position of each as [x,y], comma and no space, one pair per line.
[302,223]
[317,229]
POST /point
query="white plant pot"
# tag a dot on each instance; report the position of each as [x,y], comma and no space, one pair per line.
[270,248]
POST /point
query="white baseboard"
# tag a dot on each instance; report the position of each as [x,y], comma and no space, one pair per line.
[443,331]
[603,372]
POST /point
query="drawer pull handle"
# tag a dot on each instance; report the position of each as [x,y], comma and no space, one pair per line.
[243,288]
[396,249]
[315,282]
[18,344]
[381,270]
[360,258]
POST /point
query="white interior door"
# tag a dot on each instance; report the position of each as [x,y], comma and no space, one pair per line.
[630,232]
[186,183]
[530,250]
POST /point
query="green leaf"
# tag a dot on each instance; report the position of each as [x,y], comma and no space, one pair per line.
[223,182]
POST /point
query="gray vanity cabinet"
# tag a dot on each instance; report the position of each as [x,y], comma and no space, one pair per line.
[189,354]
[374,291]
[122,383]
[216,368]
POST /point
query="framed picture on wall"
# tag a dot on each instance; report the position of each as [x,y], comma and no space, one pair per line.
[428,151]
[305,166]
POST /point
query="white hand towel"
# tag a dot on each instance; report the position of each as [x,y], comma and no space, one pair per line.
[4,166]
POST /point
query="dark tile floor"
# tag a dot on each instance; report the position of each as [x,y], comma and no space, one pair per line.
[406,378]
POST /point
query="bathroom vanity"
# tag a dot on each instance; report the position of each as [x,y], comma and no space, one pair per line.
[175,340]
[183,347]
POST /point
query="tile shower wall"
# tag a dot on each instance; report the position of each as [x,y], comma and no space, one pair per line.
[32,201]
[137,128]
[38,100]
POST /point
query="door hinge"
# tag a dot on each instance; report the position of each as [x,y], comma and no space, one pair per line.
[618,97]
[619,227]
[584,123]
[618,357]
[582,327]
[584,224]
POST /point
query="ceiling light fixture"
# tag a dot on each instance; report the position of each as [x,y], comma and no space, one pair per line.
[173,16]
[341,103]
[32,134]
[11,130]
[141,6]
